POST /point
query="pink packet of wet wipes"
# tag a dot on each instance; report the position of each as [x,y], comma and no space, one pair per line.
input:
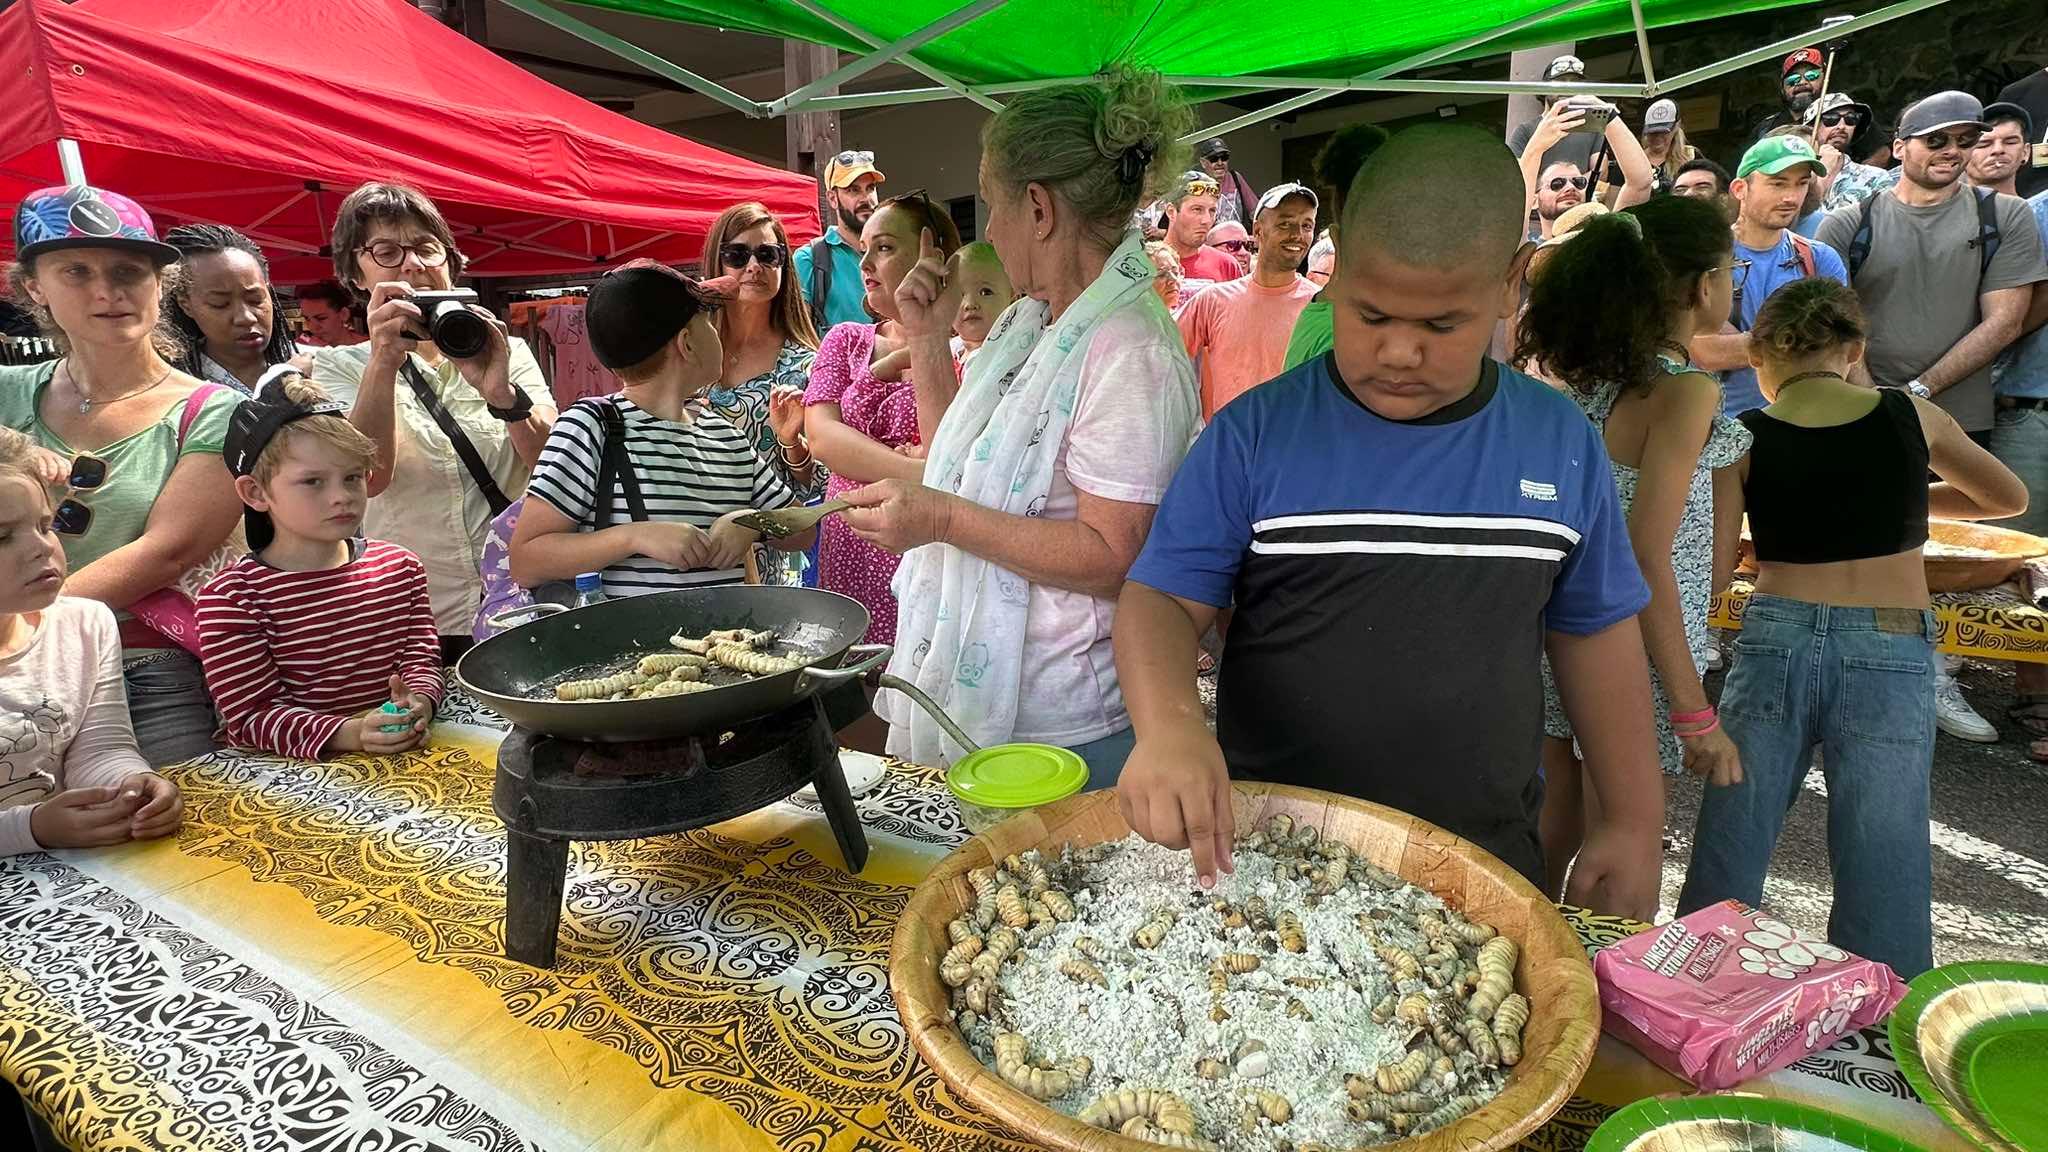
[1727,994]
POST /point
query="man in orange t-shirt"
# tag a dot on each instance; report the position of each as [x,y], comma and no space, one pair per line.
[1238,329]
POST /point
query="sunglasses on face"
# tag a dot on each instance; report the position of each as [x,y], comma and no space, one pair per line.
[1937,141]
[736,256]
[1233,246]
[1558,183]
[1839,116]
[391,254]
[72,517]
[1806,77]
[1219,158]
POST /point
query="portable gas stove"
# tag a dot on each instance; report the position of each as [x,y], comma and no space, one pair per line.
[551,792]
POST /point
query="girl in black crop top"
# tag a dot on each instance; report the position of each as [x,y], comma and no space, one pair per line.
[1836,649]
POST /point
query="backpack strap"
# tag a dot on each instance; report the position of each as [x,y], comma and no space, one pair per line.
[1802,250]
[820,286]
[1988,236]
[193,405]
[613,465]
[1859,244]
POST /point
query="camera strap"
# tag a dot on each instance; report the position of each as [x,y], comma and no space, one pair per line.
[457,438]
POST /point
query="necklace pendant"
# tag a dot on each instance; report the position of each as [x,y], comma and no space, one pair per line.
[84,407]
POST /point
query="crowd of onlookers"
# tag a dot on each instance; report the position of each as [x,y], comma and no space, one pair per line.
[1450,480]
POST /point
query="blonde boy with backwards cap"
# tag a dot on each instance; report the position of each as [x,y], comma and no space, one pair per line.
[309,636]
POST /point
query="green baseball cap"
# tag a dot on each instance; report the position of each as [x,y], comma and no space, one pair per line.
[1774,154]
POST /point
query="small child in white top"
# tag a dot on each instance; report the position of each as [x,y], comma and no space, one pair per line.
[71,775]
[985,290]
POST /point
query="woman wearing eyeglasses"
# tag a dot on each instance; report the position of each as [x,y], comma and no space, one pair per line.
[455,439]
[768,339]
[860,414]
[91,269]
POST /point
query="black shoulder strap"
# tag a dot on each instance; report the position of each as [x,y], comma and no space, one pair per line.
[464,450]
[821,280]
[1988,236]
[613,466]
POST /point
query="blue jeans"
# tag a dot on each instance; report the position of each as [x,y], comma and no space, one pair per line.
[1105,757]
[2020,441]
[1859,682]
[168,705]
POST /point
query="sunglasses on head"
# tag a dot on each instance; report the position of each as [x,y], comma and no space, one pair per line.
[1251,246]
[72,517]
[1806,77]
[1842,116]
[851,157]
[1936,141]
[1557,183]
[736,256]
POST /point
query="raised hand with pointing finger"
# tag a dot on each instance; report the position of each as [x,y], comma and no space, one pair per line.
[929,296]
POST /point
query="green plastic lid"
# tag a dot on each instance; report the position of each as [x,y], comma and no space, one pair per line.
[1017,776]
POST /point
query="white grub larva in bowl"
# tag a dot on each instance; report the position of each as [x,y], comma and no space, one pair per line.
[1308,1000]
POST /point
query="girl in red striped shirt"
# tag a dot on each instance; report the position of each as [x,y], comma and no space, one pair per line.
[307,637]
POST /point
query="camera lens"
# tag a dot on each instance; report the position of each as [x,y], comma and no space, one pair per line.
[457,331]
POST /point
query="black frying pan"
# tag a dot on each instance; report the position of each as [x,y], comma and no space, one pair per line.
[506,672]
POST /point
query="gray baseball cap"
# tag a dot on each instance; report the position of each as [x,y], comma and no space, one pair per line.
[1833,101]
[1661,117]
[1941,110]
[1565,66]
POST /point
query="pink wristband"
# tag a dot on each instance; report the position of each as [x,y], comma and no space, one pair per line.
[1695,733]
[1699,717]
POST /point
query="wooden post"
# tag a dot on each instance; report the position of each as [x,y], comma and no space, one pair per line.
[813,137]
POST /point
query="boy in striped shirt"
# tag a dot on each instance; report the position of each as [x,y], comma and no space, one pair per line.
[306,637]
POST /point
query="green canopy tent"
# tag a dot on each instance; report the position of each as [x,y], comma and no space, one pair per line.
[983,50]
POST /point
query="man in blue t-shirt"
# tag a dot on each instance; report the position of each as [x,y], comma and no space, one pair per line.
[1771,185]
[851,183]
[1403,528]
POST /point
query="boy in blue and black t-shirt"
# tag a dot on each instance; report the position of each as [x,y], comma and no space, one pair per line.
[1403,526]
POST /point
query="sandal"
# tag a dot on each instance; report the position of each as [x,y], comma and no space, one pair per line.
[2037,751]
[2030,711]
[1206,663]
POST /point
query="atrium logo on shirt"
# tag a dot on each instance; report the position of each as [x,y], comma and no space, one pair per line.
[1532,490]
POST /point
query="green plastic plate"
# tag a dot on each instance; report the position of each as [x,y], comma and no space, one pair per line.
[1972,1039]
[1736,1124]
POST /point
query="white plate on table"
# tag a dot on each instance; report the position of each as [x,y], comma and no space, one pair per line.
[863,771]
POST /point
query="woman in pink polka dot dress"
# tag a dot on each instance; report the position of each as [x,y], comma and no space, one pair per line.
[860,412]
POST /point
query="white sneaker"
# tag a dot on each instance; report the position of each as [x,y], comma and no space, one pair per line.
[1953,714]
[1951,663]
[1715,662]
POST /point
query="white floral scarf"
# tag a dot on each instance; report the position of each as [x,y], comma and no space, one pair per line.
[961,620]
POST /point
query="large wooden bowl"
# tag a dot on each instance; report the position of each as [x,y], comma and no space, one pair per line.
[1564,1021]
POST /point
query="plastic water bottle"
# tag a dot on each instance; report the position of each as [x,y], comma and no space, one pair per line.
[589,589]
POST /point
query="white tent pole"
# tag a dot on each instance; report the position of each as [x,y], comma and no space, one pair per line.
[873,41]
[590,34]
[1401,65]
[1635,9]
[1834,31]
[883,54]
[71,162]
[1447,87]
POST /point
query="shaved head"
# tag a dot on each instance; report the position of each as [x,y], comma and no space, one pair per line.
[1435,196]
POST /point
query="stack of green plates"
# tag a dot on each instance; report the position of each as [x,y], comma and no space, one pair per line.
[1972,1039]
[1736,1124]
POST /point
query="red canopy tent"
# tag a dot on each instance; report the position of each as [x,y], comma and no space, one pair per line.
[262,114]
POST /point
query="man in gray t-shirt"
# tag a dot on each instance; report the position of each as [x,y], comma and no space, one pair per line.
[1937,314]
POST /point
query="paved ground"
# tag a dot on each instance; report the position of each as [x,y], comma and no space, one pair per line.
[1990,835]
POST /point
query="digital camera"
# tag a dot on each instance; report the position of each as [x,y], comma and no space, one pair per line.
[459,333]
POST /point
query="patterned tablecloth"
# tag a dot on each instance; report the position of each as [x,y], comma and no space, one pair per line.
[1992,624]
[314,963]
